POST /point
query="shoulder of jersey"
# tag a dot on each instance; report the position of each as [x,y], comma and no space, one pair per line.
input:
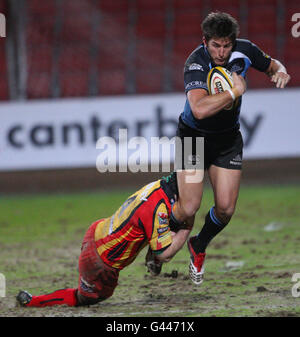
[196,58]
[241,42]
[243,46]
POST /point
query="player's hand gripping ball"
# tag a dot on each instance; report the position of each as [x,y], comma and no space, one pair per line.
[219,79]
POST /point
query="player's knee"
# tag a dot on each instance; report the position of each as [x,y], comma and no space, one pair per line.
[84,300]
[190,210]
[224,213]
[190,207]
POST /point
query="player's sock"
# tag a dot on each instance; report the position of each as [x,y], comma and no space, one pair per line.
[211,228]
[62,296]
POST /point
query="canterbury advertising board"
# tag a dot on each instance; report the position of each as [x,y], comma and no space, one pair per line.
[50,134]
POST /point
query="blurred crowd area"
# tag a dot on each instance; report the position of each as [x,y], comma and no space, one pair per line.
[85,48]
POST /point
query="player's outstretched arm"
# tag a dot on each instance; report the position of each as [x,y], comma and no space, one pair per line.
[178,240]
[278,74]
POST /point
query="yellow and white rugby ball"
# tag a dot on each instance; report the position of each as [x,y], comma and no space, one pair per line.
[219,79]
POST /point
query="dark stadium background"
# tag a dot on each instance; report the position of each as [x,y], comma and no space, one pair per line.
[97,48]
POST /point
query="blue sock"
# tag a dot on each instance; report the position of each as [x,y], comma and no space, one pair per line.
[211,228]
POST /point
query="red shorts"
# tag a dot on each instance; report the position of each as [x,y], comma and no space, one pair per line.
[96,279]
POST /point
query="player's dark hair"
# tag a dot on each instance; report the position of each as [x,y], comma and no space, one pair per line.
[220,25]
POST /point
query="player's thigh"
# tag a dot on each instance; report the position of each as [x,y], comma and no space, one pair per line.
[226,185]
[188,166]
[97,281]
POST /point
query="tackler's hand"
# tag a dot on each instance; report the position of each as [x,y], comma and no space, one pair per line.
[176,225]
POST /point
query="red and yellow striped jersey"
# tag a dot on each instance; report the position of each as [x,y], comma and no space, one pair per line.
[142,219]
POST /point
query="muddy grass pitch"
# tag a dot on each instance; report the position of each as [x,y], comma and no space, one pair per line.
[249,266]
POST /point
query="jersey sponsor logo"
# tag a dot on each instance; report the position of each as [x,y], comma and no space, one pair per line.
[196,84]
[236,68]
[162,218]
[196,66]
[162,230]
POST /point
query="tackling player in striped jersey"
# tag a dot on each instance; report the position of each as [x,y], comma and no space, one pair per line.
[113,243]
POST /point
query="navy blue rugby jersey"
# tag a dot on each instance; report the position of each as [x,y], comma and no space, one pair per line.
[244,54]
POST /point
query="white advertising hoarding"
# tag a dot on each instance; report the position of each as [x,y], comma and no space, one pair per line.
[48,134]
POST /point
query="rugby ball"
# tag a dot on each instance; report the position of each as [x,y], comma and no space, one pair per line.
[219,79]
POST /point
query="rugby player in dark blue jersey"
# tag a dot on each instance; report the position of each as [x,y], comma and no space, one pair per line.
[208,116]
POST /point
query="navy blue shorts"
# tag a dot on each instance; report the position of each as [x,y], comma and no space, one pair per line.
[222,150]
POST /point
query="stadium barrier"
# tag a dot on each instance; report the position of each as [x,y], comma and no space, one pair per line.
[60,134]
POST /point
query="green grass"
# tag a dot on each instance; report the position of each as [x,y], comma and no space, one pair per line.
[40,238]
[40,217]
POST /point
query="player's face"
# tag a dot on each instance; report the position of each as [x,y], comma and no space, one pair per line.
[219,49]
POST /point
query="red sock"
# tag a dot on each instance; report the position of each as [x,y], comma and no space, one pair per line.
[62,296]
